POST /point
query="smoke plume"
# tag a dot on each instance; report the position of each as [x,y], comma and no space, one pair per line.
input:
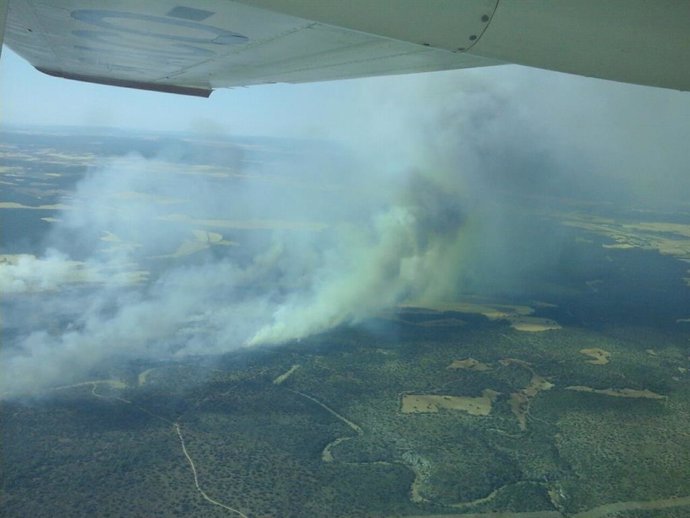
[407,196]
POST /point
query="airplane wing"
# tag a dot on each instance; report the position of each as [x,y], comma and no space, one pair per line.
[191,48]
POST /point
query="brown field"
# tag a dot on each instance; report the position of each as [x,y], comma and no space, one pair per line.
[469,364]
[419,403]
[599,356]
[624,392]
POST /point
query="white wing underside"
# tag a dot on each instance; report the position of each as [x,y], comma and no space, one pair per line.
[195,46]
[198,46]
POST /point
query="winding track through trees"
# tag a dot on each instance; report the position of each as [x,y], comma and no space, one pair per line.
[344,419]
[196,477]
[326,454]
[597,512]
[601,511]
[176,426]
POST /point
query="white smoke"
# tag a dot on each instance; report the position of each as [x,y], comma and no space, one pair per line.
[160,257]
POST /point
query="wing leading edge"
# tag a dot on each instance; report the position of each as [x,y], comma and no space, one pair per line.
[194,47]
[162,45]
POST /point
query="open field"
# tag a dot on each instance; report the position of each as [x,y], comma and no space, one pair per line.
[472,405]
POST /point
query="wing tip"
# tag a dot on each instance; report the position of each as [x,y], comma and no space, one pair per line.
[126,83]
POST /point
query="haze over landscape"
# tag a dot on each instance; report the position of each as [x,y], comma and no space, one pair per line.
[471,251]
[407,194]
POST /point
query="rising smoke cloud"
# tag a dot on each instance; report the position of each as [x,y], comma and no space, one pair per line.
[411,203]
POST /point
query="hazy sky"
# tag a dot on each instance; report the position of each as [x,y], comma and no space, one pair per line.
[30,97]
